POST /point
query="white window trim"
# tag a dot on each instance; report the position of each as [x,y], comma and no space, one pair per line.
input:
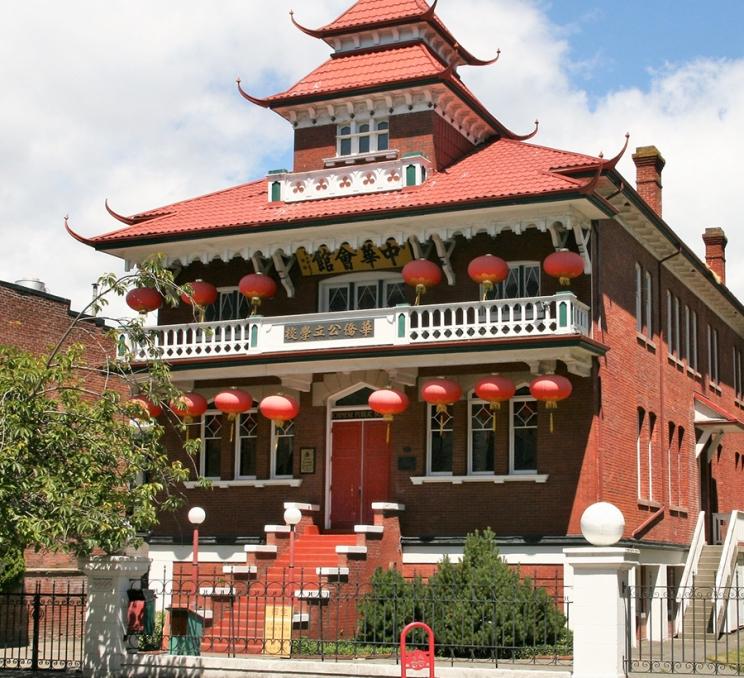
[651,432]
[274,435]
[677,339]
[384,277]
[713,364]
[496,480]
[639,434]
[518,399]
[474,400]
[670,445]
[429,472]
[236,446]
[203,446]
[648,306]
[694,341]
[686,352]
[639,298]
[355,135]
[670,323]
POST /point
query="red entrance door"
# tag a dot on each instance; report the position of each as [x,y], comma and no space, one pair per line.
[360,471]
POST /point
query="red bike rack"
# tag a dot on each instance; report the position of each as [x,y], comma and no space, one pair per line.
[416,660]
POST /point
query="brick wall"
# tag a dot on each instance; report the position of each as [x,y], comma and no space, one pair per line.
[424,132]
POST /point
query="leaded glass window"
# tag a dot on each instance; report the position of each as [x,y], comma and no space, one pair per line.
[441,440]
[524,417]
[211,451]
[246,443]
[283,450]
[482,437]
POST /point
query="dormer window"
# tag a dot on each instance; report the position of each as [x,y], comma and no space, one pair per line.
[360,138]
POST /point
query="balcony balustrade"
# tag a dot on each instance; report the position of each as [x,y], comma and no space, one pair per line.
[561,314]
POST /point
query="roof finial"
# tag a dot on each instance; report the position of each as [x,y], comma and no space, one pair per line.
[254,100]
[527,137]
[79,238]
[612,162]
[124,220]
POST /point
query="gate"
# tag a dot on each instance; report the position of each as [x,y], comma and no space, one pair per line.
[42,631]
[695,630]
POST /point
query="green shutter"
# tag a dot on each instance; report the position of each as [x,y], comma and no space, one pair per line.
[411,175]
[276,191]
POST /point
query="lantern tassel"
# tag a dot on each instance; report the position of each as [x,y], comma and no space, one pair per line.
[420,290]
[551,423]
[387,434]
[201,312]
[487,287]
[255,303]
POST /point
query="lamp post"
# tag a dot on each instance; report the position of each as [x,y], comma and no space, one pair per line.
[197,515]
[292,516]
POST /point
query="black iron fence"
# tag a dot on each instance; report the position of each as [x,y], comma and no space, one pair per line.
[304,615]
[42,630]
[688,631]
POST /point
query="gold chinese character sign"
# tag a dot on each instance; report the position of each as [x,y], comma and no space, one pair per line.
[368,257]
[329,331]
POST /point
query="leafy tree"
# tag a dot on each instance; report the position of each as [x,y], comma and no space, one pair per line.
[79,468]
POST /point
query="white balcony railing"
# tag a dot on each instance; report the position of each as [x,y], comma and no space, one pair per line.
[561,314]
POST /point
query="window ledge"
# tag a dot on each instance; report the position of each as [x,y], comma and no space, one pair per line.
[646,341]
[223,484]
[691,371]
[391,154]
[715,388]
[496,480]
[649,503]
[674,360]
[678,510]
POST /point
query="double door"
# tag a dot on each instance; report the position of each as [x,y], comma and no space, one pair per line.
[360,471]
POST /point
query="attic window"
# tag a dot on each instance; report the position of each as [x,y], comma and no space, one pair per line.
[359,138]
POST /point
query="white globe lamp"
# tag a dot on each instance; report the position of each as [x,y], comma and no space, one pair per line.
[197,515]
[292,516]
[602,524]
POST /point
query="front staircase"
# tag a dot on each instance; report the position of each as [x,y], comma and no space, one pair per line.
[276,596]
[698,620]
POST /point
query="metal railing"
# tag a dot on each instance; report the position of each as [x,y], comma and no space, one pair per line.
[560,314]
[42,630]
[655,644]
[300,614]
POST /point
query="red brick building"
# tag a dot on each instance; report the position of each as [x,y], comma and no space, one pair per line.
[396,160]
[34,320]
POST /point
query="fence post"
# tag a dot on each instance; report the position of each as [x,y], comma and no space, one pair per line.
[35,618]
[109,578]
[600,577]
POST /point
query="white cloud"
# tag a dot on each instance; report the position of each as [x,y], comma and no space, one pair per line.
[135,101]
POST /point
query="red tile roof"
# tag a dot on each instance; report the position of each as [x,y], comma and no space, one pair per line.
[366,12]
[397,64]
[503,169]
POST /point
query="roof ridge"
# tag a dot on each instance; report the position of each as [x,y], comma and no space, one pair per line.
[552,148]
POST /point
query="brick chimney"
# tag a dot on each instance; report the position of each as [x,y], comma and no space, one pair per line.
[649,163]
[715,252]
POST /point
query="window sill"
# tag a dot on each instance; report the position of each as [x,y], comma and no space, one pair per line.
[496,480]
[645,341]
[357,158]
[692,372]
[678,511]
[738,402]
[674,360]
[715,388]
[269,482]
[649,504]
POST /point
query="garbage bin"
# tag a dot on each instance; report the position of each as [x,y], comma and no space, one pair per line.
[187,629]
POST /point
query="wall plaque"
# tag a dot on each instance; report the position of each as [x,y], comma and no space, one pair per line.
[329,331]
[368,257]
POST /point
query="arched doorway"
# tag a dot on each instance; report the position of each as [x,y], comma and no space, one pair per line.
[359,459]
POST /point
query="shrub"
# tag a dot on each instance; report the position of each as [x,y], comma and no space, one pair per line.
[475,608]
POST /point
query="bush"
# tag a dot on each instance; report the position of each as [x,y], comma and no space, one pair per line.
[12,569]
[475,608]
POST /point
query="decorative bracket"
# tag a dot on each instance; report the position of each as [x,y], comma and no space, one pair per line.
[444,252]
[283,267]
[259,265]
[298,382]
[403,376]
[582,236]
[542,366]
[419,251]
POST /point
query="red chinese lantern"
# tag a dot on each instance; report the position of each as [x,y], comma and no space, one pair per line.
[423,275]
[232,403]
[388,402]
[144,299]
[564,265]
[256,287]
[145,409]
[280,409]
[551,389]
[488,271]
[202,294]
[189,406]
[442,393]
[495,390]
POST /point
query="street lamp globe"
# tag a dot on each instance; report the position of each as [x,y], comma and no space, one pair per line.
[197,515]
[292,516]
[602,524]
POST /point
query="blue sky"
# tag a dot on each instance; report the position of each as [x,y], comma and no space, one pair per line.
[614,45]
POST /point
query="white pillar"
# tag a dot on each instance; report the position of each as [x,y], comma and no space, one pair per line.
[109,578]
[598,609]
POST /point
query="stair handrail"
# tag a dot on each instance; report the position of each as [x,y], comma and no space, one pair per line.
[726,566]
[691,567]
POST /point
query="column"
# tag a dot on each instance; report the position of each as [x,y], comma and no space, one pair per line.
[598,609]
[109,578]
